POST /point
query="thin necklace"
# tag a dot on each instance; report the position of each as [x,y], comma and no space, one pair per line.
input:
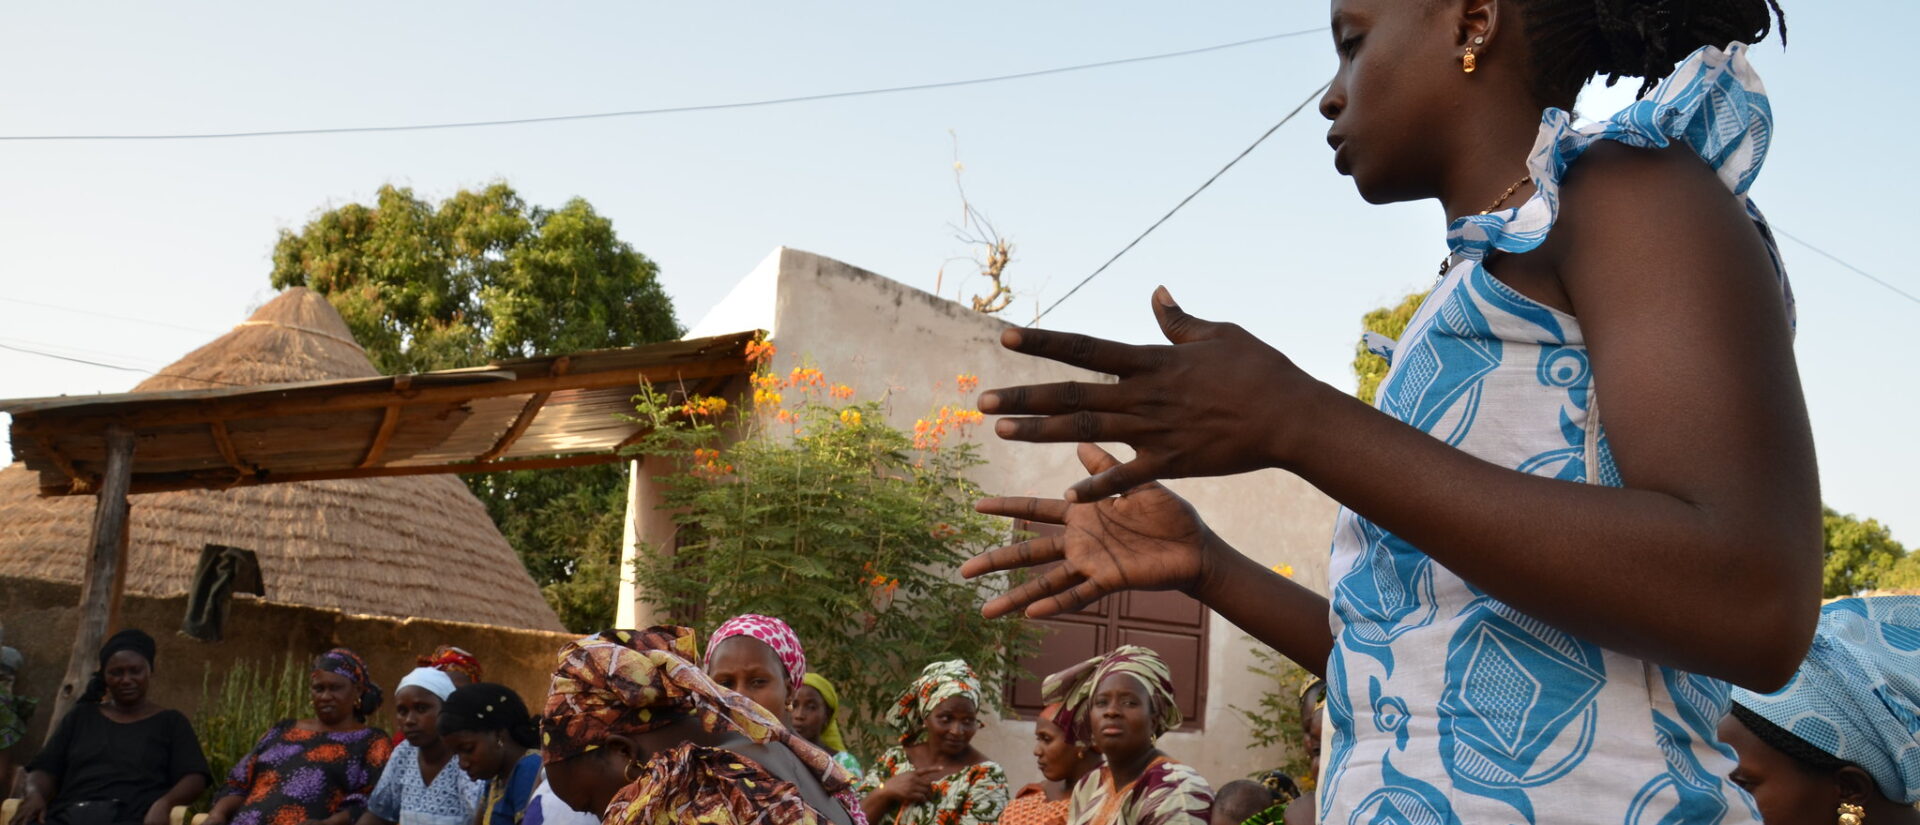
[1496,205]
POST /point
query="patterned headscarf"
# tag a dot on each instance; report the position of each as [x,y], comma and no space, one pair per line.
[627,682]
[1074,687]
[830,737]
[1060,716]
[938,682]
[450,659]
[348,665]
[1857,695]
[1062,709]
[775,633]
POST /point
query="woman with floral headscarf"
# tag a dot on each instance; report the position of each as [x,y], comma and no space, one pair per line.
[1841,742]
[633,728]
[935,776]
[313,770]
[1124,700]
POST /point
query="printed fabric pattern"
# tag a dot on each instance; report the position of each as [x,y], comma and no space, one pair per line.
[1446,705]
[974,796]
[295,775]
[403,796]
[1166,793]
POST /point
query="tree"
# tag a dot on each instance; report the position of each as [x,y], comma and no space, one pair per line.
[481,276]
[1862,555]
[848,529]
[1387,321]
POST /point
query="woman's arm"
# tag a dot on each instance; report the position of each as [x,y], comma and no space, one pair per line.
[1688,339]
[183,792]
[40,788]
[223,809]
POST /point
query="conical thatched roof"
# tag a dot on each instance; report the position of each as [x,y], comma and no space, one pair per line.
[402,546]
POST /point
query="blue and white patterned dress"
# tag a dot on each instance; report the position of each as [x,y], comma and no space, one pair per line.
[1445,705]
[404,797]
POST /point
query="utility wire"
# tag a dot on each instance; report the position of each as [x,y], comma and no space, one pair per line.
[122,368]
[1854,269]
[919,87]
[110,316]
[1183,202]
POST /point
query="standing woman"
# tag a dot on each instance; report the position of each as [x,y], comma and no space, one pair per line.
[1601,379]
[127,760]
[634,729]
[313,770]
[421,785]
[1064,756]
[1841,742]
[1125,699]
[816,717]
[498,743]
[935,776]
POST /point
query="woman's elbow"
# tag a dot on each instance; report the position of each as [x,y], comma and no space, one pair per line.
[1774,633]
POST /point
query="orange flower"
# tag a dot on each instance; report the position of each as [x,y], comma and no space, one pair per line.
[967,382]
[841,392]
[705,405]
[850,417]
[760,352]
[766,397]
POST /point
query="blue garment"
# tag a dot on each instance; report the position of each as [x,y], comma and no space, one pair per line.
[403,796]
[510,801]
[1857,696]
[1444,704]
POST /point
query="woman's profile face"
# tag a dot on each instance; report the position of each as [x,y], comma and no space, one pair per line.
[1055,754]
[482,754]
[1394,82]
[1783,789]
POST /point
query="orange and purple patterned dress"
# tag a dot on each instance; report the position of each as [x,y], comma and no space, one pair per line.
[295,775]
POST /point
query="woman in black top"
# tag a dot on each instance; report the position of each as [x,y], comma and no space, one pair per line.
[126,761]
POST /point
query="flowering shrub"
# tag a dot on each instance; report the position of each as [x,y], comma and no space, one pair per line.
[809,506]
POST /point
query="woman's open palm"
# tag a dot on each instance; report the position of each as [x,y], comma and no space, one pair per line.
[1146,539]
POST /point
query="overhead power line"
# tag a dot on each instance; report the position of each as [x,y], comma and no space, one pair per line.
[120,367]
[1183,202]
[670,110]
[108,315]
[1850,267]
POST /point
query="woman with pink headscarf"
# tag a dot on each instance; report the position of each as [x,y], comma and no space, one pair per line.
[760,658]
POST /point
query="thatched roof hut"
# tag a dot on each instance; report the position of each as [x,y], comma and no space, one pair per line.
[403,546]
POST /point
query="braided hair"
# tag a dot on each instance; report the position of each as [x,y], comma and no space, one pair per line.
[1574,40]
[1800,750]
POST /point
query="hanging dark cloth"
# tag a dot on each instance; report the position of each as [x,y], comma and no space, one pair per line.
[222,572]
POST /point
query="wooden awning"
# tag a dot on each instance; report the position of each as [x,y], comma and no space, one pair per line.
[530,413]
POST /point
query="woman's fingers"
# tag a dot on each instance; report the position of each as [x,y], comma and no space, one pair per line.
[1051,399]
[1084,425]
[1080,595]
[1048,510]
[1050,582]
[1095,458]
[1113,481]
[1077,350]
[1025,554]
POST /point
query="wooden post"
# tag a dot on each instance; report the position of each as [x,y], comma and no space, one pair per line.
[649,529]
[106,568]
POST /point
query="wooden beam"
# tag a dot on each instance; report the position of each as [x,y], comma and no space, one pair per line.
[224,442]
[100,590]
[271,404]
[77,484]
[389,421]
[200,481]
[519,426]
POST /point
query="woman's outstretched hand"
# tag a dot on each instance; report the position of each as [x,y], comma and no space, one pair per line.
[1146,539]
[1218,401]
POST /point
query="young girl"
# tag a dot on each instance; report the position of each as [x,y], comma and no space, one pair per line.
[1591,458]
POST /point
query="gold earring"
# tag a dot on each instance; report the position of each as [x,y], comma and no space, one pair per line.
[628,773]
[1851,814]
[1467,61]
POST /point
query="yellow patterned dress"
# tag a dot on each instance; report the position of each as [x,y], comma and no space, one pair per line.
[974,796]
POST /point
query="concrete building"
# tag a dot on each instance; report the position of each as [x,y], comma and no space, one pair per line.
[883,337]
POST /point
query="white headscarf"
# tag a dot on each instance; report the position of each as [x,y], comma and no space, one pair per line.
[429,680]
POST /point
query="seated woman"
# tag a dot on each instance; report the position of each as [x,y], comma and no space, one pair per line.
[758,657]
[635,730]
[420,785]
[1064,758]
[815,712]
[1125,700]
[1841,742]
[122,761]
[313,770]
[498,743]
[935,776]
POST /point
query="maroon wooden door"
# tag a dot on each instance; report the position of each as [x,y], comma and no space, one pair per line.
[1170,623]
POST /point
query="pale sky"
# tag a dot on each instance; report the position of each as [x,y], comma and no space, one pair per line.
[171,238]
